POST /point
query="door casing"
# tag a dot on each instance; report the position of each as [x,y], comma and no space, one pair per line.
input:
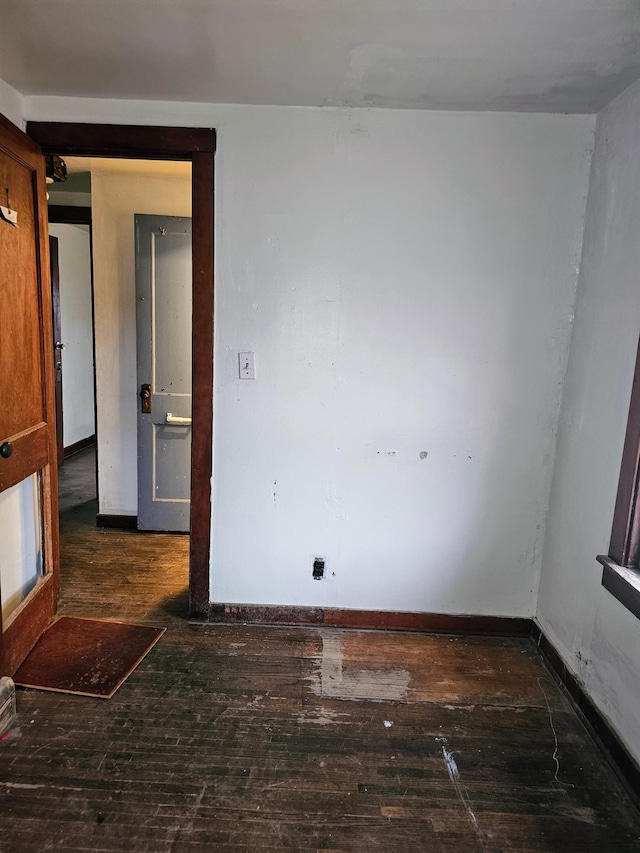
[57,338]
[197,145]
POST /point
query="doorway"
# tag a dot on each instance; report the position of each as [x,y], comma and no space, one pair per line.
[197,146]
[134,310]
[72,296]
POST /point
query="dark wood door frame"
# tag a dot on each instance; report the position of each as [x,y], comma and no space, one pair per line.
[57,338]
[67,214]
[197,145]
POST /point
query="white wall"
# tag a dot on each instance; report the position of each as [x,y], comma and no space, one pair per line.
[74,258]
[598,638]
[407,282]
[116,197]
[11,104]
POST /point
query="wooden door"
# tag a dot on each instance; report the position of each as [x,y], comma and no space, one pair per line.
[163,332]
[28,474]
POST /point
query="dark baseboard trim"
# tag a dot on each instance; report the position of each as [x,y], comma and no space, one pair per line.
[77,446]
[596,724]
[122,522]
[437,623]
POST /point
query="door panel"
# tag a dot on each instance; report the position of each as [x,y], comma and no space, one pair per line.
[20,543]
[174,443]
[27,419]
[20,366]
[163,299]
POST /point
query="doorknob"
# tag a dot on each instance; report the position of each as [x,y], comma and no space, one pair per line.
[6,449]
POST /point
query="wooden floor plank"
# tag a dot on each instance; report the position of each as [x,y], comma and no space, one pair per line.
[257,738]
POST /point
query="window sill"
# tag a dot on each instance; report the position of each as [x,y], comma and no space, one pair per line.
[622,583]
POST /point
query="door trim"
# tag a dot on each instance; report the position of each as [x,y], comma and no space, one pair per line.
[66,214]
[57,337]
[172,143]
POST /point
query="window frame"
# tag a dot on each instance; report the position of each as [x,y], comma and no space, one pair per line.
[621,573]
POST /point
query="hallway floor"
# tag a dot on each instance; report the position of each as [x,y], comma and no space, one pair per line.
[110,573]
[254,738]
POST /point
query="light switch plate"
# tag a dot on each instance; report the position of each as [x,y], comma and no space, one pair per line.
[247,365]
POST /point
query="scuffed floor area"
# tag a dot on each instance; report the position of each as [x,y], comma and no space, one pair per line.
[258,738]
[253,738]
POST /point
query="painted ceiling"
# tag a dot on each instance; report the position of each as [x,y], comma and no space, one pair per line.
[524,55]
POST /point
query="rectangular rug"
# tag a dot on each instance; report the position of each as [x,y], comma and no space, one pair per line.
[91,657]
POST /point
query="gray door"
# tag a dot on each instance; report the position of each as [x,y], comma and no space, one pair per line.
[163,317]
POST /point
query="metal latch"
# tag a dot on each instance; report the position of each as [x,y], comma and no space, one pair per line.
[145,396]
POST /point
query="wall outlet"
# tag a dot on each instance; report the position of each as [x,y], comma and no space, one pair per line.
[318,568]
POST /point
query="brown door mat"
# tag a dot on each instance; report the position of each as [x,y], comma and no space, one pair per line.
[91,657]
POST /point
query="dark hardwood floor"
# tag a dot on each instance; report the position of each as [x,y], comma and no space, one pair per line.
[252,738]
